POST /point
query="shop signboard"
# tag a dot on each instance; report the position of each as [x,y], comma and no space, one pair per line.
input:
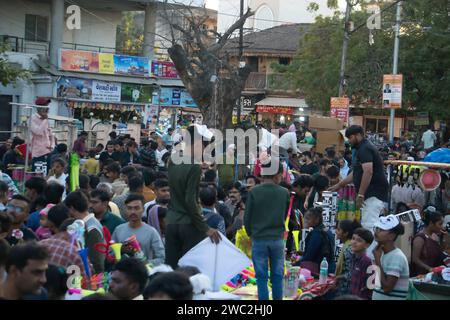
[131,65]
[106,91]
[74,88]
[176,97]
[164,69]
[106,63]
[339,108]
[136,93]
[392,91]
[422,119]
[186,99]
[80,61]
[273,109]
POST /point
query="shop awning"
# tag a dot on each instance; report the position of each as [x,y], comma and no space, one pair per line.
[280,105]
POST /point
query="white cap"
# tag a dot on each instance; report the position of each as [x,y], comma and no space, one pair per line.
[161,268]
[387,223]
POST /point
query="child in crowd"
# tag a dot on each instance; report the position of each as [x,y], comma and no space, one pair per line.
[391,261]
[44,232]
[360,262]
[58,175]
[321,183]
[92,165]
[344,233]
[319,243]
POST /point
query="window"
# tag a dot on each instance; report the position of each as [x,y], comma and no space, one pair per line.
[36,28]
[253,64]
[284,61]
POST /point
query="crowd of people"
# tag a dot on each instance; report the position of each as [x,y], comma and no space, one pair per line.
[130,190]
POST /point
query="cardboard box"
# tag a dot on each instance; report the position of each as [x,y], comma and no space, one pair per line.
[326,123]
[329,138]
[404,242]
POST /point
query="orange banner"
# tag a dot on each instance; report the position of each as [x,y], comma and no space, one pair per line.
[81,61]
[339,108]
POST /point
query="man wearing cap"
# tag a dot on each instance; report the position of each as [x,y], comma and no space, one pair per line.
[186,226]
[42,138]
[368,176]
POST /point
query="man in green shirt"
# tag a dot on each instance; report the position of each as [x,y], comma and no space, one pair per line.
[99,206]
[265,210]
[186,226]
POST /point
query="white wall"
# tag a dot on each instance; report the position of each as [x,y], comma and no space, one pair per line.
[98,28]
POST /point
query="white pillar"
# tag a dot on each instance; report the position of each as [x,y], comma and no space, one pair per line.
[57,30]
[149,30]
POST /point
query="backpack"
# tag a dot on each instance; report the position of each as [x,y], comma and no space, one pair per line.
[327,247]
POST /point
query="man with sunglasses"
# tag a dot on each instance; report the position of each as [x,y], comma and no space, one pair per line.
[19,207]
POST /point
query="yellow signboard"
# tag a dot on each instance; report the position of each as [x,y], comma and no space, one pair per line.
[106,63]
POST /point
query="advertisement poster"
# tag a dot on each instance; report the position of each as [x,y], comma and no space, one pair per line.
[165,97]
[176,97]
[106,91]
[136,93]
[74,88]
[392,91]
[82,61]
[130,65]
[164,69]
[106,63]
[186,99]
[339,108]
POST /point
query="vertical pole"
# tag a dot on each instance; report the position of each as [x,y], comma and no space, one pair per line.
[344,48]
[159,107]
[27,144]
[241,54]
[395,64]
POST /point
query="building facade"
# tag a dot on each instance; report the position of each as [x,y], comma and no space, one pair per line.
[66,65]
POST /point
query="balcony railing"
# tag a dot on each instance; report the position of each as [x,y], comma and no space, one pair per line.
[273,82]
[256,81]
[18,44]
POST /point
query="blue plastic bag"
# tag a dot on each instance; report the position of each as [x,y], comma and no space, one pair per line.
[441,155]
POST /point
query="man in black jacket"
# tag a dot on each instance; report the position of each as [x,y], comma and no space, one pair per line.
[148,155]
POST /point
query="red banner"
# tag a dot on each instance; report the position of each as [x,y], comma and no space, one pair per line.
[339,108]
[272,109]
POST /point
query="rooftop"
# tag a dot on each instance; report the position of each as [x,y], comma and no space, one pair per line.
[280,41]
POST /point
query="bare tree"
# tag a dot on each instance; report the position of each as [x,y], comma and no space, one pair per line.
[212,80]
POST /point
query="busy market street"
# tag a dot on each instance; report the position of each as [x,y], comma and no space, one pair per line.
[225,150]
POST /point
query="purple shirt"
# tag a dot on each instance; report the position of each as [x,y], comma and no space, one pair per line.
[80,147]
[359,276]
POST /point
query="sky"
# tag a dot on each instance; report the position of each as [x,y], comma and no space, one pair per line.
[214,4]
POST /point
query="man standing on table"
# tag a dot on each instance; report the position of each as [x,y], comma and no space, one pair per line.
[42,138]
[368,176]
[186,226]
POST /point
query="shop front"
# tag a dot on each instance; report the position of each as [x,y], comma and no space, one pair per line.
[273,111]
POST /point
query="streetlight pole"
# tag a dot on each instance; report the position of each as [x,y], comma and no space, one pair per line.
[345,48]
[241,54]
[395,64]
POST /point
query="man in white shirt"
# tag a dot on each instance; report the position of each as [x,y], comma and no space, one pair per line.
[287,141]
[428,139]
